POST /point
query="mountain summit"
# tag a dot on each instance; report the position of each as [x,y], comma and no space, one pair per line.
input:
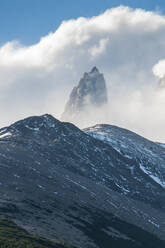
[90,93]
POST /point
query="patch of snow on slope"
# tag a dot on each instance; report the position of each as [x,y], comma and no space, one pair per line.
[2,130]
[32,128]
[153,223]
[105,138]
[162,145]
[155,178]
[102,136]
[5,134]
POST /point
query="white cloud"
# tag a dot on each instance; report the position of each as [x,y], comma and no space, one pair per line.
[159,69]
[123,43]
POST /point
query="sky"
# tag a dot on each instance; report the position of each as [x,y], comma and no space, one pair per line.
[28,21]
[46,46]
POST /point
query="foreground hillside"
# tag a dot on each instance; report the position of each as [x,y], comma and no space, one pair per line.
[57,181]
[12,236]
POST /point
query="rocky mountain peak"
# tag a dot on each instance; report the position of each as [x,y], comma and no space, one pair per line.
[94,70]
[90,92]
[43,129]
[32,126]
[35,122]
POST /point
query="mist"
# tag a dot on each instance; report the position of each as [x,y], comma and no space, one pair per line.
[127,45]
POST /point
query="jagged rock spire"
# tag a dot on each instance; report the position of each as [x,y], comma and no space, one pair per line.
[94,69]
[90,92]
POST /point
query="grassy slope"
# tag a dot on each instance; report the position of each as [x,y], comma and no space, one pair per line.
[12,236]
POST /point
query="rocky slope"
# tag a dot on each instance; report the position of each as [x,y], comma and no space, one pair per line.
[149,157]
[59,181]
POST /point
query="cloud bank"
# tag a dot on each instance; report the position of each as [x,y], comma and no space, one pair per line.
[127,45]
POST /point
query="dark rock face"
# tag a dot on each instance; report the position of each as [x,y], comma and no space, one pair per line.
[90,92]
[58,181]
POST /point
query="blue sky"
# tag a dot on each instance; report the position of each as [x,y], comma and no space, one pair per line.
[28,20]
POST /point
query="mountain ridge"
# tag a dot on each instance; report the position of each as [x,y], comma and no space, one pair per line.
[57,180]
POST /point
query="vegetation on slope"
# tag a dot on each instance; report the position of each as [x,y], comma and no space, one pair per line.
[12,236]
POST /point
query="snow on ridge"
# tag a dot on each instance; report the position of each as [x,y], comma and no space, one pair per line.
[106,138]
[129,144]
[155,178]
[101,136]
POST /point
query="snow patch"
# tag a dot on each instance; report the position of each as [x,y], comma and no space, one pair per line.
[162,145]
[32,128]
[5,134]
[155,178]
[153,223]
[78,184]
